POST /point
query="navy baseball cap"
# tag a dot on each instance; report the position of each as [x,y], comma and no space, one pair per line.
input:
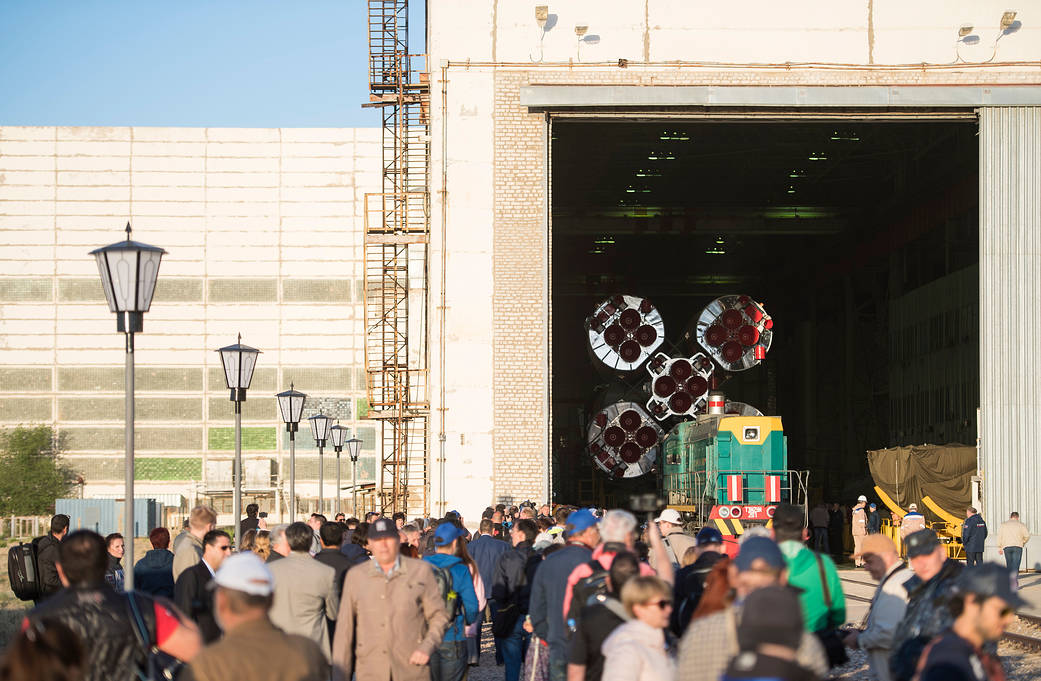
[709,535]
[446,533]
[762,548]
[579,521]
[990,579]
[921,542]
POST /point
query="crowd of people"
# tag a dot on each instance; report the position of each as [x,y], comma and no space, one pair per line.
[567,594]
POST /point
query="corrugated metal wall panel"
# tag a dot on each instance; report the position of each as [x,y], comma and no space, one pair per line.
[1010,326]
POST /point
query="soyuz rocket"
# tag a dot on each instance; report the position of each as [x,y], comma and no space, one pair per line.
[626,335]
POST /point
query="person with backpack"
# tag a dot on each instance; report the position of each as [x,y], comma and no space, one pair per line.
[550,584]
[101,617]
[690,580]
[448,663]
[598,619]
[46,548]
[821,597]
[392,614]
[511,590]
[617,534]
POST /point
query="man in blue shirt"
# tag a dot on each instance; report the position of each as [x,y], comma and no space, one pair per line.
[486,550]
[546,608]
[448,663]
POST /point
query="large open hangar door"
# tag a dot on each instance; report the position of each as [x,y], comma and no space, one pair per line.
[858,230]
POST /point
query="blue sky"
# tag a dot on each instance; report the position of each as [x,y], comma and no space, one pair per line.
[226,63]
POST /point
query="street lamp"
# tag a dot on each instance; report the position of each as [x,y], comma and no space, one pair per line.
[352,448]
[291,404]
[320,430]
[129,270]
[338,434]
[239,361]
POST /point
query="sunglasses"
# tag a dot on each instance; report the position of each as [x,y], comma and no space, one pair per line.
[662,604]
[225,548]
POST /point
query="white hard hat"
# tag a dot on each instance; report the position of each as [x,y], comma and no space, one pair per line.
[912,507]
[862,498]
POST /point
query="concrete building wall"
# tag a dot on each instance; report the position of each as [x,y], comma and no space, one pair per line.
[490,169]
[264,233]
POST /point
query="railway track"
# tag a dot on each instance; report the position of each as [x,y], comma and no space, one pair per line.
[1019,639]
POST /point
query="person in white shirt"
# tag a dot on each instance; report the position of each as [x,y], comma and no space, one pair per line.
[1012,535]
[888,605]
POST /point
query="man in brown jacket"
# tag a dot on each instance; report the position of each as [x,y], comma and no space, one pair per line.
[391,617]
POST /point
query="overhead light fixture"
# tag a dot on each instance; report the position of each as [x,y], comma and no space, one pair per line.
[797,173]
[720,239]
[791,189]
[964,30]
[817,156]
[846,136]
[715,250]
[1007,18]
[541,15]
[581,30]
[604,240]
[674,136]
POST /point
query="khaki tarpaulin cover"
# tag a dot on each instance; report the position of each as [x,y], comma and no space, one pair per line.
[942,472]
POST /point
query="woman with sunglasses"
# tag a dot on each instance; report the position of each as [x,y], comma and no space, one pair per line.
[636,651]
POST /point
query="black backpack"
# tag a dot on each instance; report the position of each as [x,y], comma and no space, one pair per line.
[584,591]
[443,577]
[24,572]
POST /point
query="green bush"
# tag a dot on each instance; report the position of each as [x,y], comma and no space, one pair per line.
[34,474]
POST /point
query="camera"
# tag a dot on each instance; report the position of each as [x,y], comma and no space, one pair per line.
[645,503]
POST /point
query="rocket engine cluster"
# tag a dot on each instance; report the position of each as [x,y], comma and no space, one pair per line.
[732,333]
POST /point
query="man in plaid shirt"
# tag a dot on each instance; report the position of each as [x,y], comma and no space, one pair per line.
[711,641]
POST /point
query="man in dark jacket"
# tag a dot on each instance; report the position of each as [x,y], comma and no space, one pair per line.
[98,615]
[355,547]
[191,593]
[985,605]
[511,589]
[153,574]
[690,580]
[598,619]
[874,520]
[550,584]
[251,521]
[331,535]
[486,550]
[928,592]
[47,556]
[973,537]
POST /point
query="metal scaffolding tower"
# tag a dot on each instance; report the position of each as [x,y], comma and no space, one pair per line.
[397,229]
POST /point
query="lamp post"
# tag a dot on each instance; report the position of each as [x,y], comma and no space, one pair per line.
[239,361]
[291,404]
[338,434]
[129,270]
[320,430]
[352,448]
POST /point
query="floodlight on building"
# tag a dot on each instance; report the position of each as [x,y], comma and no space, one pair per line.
[541,15]
[128,272]
[965,30]
[1007,19]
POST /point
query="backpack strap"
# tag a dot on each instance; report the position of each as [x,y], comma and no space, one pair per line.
[824,580]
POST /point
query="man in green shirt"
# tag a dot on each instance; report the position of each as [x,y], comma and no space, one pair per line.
[822,600]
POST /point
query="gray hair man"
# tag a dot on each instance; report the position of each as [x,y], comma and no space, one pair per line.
[888,605]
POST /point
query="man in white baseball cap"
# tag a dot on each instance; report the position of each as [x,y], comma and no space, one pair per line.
[676,542]
[252,647]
